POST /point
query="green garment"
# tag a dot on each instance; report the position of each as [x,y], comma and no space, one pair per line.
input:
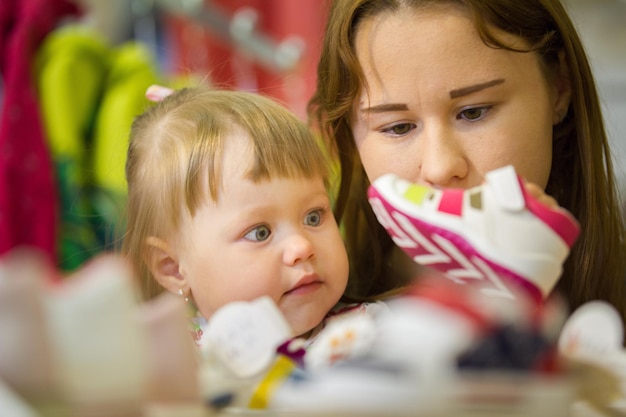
[90,93]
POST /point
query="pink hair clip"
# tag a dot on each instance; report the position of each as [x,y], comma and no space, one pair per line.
[157,93]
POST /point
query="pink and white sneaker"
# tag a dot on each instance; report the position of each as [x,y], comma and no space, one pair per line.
[496,235]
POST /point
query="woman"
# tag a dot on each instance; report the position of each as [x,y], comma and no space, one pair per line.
[442,92]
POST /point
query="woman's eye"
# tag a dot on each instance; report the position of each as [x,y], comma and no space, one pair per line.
[399,129]
[258,234]
[313,218]
[474,113]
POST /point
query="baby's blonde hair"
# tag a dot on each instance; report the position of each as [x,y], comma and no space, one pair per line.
[175,150]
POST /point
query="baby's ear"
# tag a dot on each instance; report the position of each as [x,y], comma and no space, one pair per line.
[163,264]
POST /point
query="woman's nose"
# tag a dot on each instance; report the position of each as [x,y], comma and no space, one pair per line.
[298,248]
[442,160]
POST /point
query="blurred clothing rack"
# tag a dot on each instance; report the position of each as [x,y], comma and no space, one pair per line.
[240,30]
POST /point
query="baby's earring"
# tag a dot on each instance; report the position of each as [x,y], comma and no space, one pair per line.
[182,294]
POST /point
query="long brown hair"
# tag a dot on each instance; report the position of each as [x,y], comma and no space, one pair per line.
[581,179]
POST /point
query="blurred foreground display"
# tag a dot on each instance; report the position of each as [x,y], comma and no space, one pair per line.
[86,346]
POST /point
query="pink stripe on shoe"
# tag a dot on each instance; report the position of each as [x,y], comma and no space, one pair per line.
[559,220]
[452,201]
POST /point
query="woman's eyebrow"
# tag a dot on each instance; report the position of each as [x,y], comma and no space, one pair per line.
[459,92]
[456,93]
[381,108]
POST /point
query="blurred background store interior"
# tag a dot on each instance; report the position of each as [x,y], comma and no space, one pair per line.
[602,27]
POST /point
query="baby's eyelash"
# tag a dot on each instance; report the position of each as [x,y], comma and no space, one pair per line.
[258,233]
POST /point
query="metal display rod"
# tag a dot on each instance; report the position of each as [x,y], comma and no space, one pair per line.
[241,31]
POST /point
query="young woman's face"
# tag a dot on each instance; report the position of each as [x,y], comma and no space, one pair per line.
[443,108]
[276,238]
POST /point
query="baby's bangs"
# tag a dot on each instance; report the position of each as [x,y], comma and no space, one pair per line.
[284,147]
[285,159]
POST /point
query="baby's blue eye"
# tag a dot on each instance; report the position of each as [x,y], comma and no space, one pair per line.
[314,218]
[258,234]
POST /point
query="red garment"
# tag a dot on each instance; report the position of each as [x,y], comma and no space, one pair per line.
[27,187]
